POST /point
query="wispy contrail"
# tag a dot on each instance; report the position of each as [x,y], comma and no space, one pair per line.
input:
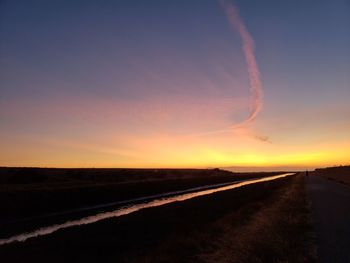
[256,88]
[252,66]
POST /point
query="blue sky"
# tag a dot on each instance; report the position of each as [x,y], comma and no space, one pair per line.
[85,70]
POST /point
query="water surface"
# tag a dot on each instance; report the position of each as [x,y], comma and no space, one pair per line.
[133,208]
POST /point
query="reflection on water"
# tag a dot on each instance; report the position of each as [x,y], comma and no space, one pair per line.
[130,209]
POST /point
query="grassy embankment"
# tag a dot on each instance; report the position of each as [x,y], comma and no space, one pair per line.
[34,191]
[340,174]
[276,229]
[265,222]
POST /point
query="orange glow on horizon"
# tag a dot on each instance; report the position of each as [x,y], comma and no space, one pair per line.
[140,95]
[159,151]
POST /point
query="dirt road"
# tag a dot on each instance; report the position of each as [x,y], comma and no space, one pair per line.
[331,218]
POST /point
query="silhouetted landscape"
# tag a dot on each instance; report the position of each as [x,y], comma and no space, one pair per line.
[182,231]
[264,222]
[169,131]
[27,192]
[339,174]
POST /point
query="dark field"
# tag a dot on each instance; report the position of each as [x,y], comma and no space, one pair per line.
[340,174]
[28,192]
[265,222]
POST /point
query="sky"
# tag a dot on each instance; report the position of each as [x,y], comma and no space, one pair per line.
[184,83]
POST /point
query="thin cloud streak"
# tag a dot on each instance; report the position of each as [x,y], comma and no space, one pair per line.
[256,88]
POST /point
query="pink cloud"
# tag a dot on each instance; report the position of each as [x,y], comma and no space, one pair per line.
[248,49]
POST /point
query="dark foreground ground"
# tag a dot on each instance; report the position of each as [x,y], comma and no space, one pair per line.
[340,174]
[265,222]
[31,192]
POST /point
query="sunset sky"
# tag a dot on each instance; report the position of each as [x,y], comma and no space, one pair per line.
[162,83]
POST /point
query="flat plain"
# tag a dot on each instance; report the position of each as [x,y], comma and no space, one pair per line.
[262,222]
